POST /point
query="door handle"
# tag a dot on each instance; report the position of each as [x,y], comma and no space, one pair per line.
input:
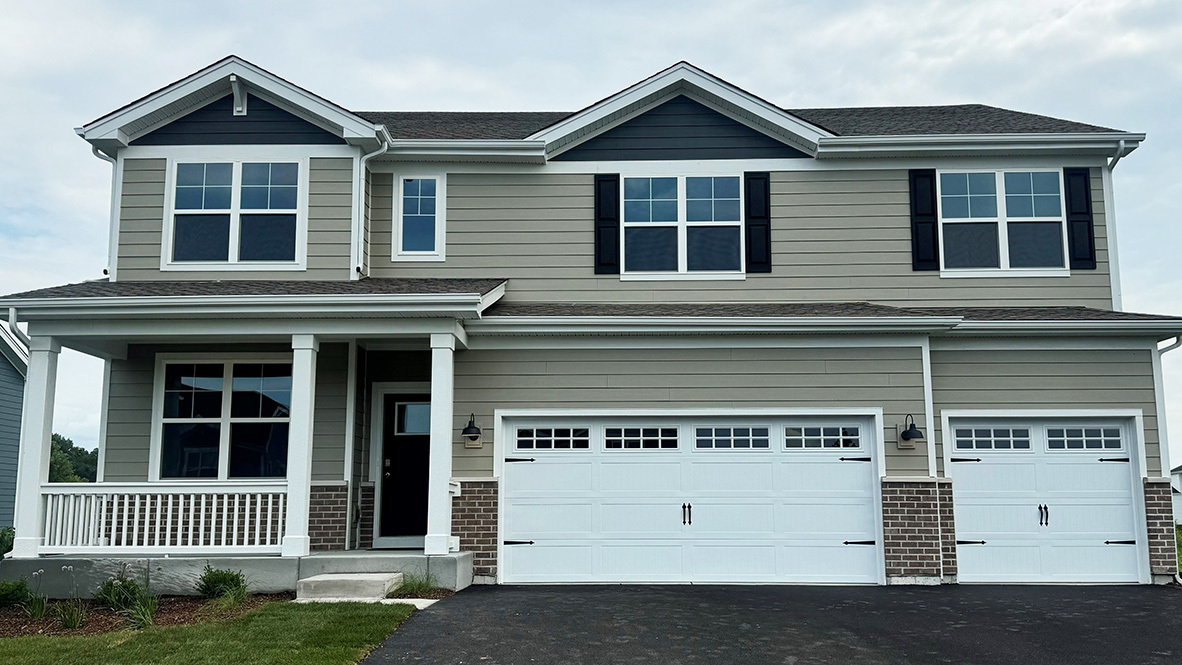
[683,514]
[386,474]
[1040,514]
[1046,510]
[691,514]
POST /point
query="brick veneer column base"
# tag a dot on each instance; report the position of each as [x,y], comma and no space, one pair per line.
[474,520]
[1159,518]
[911,519]
[328,512]
[947,529]
[365,511]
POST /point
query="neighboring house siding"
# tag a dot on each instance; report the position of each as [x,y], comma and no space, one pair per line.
[681,128]
[216,124]
[487,380]
[141,220]
[836,236]
[12,389]
[1021,379]
[129,415]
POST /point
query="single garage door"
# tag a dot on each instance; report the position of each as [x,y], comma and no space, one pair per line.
[691,500]
[1044,502]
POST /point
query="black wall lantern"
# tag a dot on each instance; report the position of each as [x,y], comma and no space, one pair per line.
[471,433]
[910,432]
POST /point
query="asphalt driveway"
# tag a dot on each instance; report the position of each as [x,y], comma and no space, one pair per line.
[734,625]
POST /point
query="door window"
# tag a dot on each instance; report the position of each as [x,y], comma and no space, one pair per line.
[413,418]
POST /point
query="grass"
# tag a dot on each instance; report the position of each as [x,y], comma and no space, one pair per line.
[276,633]
[415,584]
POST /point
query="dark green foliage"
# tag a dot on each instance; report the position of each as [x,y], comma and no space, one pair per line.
[70,464]
[216,583]
[7,534]
[119,593]
[14,593]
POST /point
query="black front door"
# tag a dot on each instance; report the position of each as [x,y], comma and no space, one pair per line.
[406,446]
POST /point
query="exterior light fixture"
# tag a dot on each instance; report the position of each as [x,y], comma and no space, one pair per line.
[471,433]
[910,431]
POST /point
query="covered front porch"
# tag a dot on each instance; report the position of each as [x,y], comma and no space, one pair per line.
[247,428]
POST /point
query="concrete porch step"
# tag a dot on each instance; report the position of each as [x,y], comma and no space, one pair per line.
[348,586]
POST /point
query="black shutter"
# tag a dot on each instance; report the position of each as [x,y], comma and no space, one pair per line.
[757,191]
[1081,235]
[607,224]
[925,229]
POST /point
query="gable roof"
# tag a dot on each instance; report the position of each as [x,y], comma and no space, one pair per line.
[230,75]
[14,351]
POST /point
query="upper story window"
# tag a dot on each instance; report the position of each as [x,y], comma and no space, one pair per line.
[419,231]
[235,215]
[1002,221]
[682,225]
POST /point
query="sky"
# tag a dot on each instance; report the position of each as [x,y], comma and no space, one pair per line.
[64,63]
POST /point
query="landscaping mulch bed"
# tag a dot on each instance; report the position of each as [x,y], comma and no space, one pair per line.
[173,611]
[430,594]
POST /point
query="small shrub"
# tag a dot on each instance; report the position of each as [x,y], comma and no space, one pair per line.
[119,592]
[414,584]
[142,612]
[7,534]
[217,583]
[35,604]
[72,613]
[14,593]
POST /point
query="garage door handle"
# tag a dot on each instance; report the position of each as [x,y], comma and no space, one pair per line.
[683,514]
[519,459]
[1120,542]
[1046,510]
[1041,515]
[965,459]
[690,510]
[518,542]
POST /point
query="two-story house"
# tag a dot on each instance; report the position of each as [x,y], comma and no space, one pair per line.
[680,335]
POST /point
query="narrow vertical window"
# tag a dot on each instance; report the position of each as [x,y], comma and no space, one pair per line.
[418,228]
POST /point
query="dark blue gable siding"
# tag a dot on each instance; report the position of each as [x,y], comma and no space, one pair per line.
[216,124]
[12,390]
[681,128]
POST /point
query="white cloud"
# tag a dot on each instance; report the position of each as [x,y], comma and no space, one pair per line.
[64,62]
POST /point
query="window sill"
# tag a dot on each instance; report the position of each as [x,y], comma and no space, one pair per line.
[682,277]
[232,267]
[998,273]
[404,258]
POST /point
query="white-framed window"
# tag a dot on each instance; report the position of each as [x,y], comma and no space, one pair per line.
[640,438]
[819,437]
[240,214]
[1074,437]
[223,419]
[553,438]
[420,219]
[748,437]
[996,223]
[682,227]
[992,438]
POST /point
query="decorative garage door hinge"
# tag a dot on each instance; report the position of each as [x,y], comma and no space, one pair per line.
[519,459]
[853,459]
[965,459]
[518,542]
[970,542]
[857,542]
[1114,459]
[1120,542]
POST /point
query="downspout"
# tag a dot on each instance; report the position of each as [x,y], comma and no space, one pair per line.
[16,331]
[114,212]
[358,205]
[1120,152]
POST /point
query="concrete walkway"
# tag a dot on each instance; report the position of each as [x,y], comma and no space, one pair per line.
[801,625]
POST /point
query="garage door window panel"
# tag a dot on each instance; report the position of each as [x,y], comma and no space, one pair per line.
[993,438]
[732,438]
[640,438]
[821,437]
[553,438]
[1084,438]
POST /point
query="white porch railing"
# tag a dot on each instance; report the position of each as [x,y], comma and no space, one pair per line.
[199,517]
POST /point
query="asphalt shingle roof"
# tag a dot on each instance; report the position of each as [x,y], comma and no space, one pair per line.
[368,286]
[857,121]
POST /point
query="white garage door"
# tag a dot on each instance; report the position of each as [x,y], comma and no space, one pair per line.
[690,500]
[1044,502]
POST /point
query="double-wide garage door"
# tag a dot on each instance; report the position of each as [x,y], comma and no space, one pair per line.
[1044,501]
[691,500]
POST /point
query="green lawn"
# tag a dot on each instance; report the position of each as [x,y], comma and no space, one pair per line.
[275,633]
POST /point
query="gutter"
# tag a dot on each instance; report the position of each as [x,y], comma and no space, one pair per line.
[359,230]
[545,325]
[471,150]
[1104,143]
[1169,328]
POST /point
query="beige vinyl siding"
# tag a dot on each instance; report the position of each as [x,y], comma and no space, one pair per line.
[141,221]
[836,236]
[381,227]
[486,380]
[1047,379]
[129,414]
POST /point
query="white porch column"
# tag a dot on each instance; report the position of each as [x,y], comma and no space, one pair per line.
[299,444]
[439,473]
[36,432]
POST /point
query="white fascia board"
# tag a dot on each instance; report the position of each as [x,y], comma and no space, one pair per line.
[1162,329]
[460,305]
[475,150]
[491,298]
[109,128]
[686,73]
[884,146]
[638,325]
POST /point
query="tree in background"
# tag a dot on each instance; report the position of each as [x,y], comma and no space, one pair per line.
[71,464]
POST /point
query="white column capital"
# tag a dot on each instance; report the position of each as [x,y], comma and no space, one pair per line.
[44,344]
[308,342]
[443,341]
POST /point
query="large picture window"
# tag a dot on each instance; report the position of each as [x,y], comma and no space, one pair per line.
[235,214]
[224,420]
[682,225]
[1002,221]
